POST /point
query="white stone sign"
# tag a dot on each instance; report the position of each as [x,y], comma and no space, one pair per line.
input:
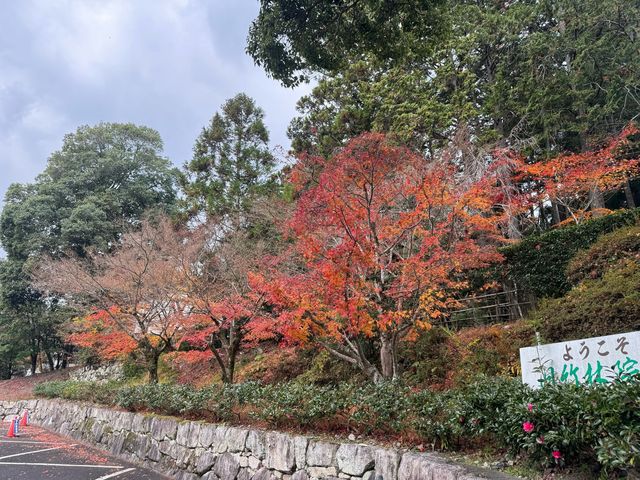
[588,361]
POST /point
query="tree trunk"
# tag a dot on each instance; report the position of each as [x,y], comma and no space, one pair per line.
[50,360]
[555,213]
[543,216]
[6,369]
[388,357]
[628,195]
[226,378]
[233,354]
[34,363]
[153,372]
[231,346]
[597,199]
[374,375]
[152,365]
[232,367]
[513,228]
[357,359]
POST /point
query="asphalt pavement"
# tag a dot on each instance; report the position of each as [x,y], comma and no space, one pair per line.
[39,454]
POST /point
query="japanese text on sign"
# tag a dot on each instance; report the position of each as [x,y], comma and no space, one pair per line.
[587,361]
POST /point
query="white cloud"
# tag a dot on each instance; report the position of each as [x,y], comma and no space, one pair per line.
[86,38]
[168,64]
[41,119]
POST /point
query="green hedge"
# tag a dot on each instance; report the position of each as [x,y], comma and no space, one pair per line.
[592,425]
[538,263]
[98,392]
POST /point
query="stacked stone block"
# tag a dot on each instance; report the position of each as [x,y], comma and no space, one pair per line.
[190,450]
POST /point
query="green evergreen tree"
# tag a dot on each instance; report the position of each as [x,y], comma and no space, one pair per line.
[545,77]
[292,39]
[231,161]
[102,180]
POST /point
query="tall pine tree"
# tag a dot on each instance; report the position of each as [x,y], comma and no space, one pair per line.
[231,162]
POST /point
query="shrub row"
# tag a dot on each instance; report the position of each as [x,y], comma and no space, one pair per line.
[538,263]
[597,425]
[97,392]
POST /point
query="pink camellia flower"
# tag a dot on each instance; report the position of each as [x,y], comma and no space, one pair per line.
[530,406]
[556,454]
[528,427]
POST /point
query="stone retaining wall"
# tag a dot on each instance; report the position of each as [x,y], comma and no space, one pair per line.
[102,373]
[189,450]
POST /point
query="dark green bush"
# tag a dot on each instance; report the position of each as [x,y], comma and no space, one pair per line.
[587,424]
[382,407]
[164,398]
[49,389]
[296,403]
[595,307]
[606,252]
[538,263]
[427,360]
[433,418]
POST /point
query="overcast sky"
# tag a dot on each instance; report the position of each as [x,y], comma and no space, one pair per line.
[167,64]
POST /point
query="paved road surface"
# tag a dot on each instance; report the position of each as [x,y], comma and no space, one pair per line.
[38,454]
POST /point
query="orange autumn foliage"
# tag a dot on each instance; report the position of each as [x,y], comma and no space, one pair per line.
[99,332]
[376,230]
[575,180]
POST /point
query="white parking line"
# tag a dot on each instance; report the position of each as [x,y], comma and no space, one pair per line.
[111,475]
[35,451]
[60,465]
[30,441]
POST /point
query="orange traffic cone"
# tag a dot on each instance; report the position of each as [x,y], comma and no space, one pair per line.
[12,428]
[24,421]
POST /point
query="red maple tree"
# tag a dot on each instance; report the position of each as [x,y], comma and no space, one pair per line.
[100,332]
[381,241]
[226,312]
